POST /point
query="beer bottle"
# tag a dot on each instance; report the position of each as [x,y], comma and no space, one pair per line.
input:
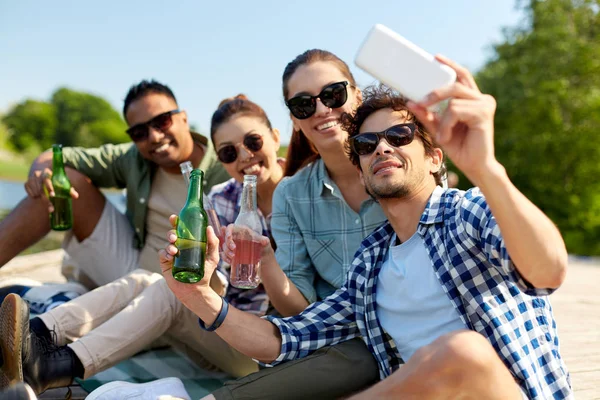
[246,261]
[61,219]
[213,218]
[188,266]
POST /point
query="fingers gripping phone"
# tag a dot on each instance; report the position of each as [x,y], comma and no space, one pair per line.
[402,65]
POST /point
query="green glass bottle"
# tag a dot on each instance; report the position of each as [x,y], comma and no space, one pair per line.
[61,219]
[188,266]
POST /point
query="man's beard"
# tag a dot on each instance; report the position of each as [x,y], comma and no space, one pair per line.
[387,192]
[394,190]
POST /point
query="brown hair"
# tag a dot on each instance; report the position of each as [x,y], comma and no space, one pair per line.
[233,106]
[300,150]
[379,97]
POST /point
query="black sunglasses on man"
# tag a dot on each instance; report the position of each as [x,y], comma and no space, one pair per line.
[161,122]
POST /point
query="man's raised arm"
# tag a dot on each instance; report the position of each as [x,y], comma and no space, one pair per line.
[466,133]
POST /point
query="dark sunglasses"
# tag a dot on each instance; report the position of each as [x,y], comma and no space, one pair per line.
[332,96]
[161,122]
[228,154]
[397,136]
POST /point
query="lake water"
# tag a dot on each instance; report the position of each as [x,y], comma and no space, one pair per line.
[11,194]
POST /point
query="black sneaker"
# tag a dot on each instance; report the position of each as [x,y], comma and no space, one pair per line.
[14,328]
[46,365]
[35,359]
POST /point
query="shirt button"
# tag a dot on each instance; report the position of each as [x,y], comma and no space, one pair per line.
[357,221]
[137,230]
[142,200]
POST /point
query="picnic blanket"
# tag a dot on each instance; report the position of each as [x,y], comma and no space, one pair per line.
[156,364]
[143,367]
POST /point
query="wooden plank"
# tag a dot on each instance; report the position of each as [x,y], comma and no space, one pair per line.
[576,309]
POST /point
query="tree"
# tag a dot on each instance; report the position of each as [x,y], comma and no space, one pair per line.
[3,135]
[71,118]
[31,123]
[546,80]
[79,113]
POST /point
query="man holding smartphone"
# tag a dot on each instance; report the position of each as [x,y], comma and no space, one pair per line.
[454,286]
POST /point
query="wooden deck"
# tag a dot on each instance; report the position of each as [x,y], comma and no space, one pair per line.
[576,308]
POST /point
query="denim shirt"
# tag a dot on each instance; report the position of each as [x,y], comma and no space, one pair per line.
[122,166]
[316,231]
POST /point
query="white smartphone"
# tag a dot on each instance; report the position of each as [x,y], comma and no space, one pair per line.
[402,65]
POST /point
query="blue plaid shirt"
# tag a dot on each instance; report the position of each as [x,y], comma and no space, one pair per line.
[226,198]
[472,264]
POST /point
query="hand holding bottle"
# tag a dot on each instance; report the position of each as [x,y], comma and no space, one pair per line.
[228,246]
[186,293]
[39,184]
[245,265]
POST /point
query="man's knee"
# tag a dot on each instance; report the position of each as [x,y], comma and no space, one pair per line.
[77,178]
[461,355]
[144,275]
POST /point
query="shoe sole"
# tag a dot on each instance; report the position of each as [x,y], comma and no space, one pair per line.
[13,319]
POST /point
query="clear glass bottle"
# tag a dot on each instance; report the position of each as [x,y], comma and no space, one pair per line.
[246,262]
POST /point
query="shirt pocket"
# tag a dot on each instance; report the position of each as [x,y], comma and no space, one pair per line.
[326,257]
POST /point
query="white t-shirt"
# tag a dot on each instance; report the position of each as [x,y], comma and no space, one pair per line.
[167,196]
[412,305]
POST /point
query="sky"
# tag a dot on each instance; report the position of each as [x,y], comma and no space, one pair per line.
[208,51]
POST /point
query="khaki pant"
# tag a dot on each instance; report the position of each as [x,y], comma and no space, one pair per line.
[329,373]
[115,321]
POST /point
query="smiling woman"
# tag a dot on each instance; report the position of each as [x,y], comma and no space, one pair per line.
[321,213]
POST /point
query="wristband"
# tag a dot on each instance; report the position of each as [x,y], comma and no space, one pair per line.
[219,320]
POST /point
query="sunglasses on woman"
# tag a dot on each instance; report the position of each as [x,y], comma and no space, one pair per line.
[161,122]
[228,154]
[397,136]
[333,96]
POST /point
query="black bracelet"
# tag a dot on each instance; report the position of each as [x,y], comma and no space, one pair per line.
[219,320]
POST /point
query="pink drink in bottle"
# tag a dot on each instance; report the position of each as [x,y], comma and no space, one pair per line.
[246,262]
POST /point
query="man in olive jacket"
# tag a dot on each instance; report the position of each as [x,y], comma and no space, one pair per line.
[105,244]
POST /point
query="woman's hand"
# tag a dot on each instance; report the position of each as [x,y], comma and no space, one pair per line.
[234,231]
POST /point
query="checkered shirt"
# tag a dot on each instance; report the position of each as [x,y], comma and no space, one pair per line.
[226,198]
[472,264]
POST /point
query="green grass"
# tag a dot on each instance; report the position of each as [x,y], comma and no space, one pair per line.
[14,170]
[282,151]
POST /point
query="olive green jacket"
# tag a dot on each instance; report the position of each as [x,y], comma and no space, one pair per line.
[122,166]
